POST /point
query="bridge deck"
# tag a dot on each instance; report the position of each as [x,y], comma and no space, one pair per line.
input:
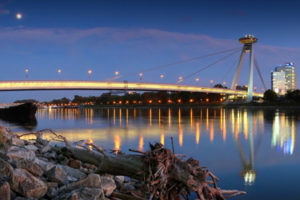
[102,85]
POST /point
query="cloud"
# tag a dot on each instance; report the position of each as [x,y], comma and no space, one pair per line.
[113,34]
[3,10]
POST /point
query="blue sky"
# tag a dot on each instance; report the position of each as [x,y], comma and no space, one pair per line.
[129,36]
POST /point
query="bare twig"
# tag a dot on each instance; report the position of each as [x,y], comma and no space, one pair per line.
[172,142]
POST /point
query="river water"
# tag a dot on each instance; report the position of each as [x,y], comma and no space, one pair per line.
[255,150]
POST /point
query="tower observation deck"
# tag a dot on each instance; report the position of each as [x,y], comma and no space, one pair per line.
[247,41]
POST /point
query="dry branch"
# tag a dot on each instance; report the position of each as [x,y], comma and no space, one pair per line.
[167,177]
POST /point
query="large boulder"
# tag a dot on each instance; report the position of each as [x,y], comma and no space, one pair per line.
[30,166]
[56,174]
[16,153]
[4,190]
[73,174]
[28,185]
[45,165]
[6,169]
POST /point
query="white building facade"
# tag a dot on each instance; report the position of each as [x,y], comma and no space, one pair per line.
[284,78]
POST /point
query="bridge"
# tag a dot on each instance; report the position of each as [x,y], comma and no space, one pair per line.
[114,85]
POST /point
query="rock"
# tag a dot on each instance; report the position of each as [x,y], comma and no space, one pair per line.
[52,184]
[30,166]
[90,166]
[16,141]
[17,153]
[4,190]
[72,179]
[31,147]
[52,189]
[28,185]
[76,173]
[93,180]
[91,193]
[56,174]
[4,135]
[62,159]
[6,169]
[126,188]
[76,164]
[119,180]
[45,165]
[84,193]
[50,155]
[108,184]
[52,192]
[127,179]
[46,148]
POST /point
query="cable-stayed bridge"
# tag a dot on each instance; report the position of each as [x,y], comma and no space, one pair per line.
[112,84]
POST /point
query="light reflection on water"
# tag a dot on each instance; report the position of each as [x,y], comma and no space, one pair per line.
[239,145]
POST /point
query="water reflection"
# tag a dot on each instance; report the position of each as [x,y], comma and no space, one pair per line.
[283,133]
[190,127]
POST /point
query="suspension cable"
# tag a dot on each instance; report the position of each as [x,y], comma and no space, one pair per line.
[229,70]
[209,65]
[176,63]
[259,73]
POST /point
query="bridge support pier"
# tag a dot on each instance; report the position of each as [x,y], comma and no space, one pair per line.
[248,42]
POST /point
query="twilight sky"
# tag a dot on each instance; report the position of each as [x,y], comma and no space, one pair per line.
[131,36]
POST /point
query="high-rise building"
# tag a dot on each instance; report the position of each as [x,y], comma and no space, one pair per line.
[284,78]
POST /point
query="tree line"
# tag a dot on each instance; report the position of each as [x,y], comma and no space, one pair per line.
[289,97]
[140,98]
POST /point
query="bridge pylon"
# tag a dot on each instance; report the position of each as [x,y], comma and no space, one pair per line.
[248,42]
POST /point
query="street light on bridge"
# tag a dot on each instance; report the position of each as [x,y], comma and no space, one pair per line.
[211,83]
[180,79]
[26,73]
[59,72]
[90,73]
[224,83]
[197,80]
[117,73]
[161,76]
[141,75]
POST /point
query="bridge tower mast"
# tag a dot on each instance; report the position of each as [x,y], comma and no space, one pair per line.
[248,42]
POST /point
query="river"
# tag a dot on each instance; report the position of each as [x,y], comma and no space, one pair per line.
[255,150]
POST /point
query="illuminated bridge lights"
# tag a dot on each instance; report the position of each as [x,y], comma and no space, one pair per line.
[102,85]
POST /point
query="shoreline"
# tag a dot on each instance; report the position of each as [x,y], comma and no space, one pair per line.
[237,105]
[58,169]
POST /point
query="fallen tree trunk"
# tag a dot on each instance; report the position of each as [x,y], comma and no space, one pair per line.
[166,175]
[119,164]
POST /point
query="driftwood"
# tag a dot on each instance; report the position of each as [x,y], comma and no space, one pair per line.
[166,175]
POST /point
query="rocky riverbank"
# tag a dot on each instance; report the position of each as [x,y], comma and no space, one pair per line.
[31,169]
[56,169]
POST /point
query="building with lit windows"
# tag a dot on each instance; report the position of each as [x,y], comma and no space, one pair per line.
[284,78]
